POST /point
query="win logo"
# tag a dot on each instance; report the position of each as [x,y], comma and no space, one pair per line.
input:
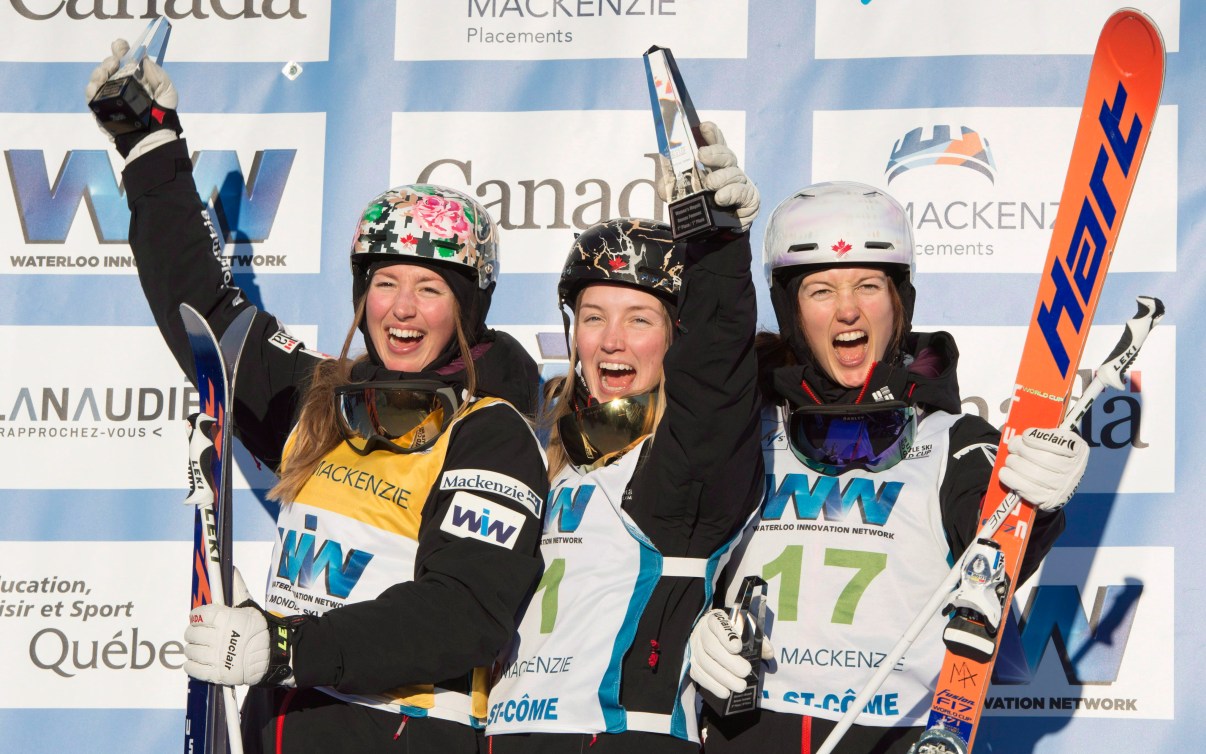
[1090,647]
[566,506]
[301,563]
[474,517]
[244,206]
[969,150]
[826,497]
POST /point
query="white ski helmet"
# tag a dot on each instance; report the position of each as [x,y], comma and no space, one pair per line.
[835,224]
[838,223]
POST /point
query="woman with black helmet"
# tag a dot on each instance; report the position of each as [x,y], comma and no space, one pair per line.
[875,479]
[655,465]
[410,483]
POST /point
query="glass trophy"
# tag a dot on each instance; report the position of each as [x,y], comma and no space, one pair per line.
[122,105]
[748,616]
[693,210]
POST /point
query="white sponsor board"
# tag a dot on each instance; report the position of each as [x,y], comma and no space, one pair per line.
[62,210]
[927,28]
[118,423]
[234,31]
[564,29]
[101,624]
[1119,648]
[1132,434]
[993,215]
[592,165]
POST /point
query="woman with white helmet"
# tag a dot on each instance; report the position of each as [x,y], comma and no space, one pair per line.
[655,465]
[410,482]
[874,484]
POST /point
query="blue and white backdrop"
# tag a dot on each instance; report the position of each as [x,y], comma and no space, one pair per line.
[539,107]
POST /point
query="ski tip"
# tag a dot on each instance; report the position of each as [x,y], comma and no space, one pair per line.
[1135,43]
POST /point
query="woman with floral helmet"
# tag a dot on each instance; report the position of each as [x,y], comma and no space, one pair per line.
[655,465]
[410,482]
[874,484]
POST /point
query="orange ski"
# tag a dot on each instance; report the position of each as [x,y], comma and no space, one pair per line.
[1115,122]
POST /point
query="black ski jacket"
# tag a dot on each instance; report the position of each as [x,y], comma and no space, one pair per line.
[703,475]
[460,609]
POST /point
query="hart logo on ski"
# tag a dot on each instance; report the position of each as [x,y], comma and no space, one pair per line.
[1089,243]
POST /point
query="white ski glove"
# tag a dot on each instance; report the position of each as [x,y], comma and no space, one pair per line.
[715,663]
[732,186]
[1044,466]
[238,646]
[158,84]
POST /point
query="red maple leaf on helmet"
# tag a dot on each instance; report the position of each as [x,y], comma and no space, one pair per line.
[409,240]
[841,247]
[616,263]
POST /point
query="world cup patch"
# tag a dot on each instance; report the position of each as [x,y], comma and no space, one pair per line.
[284,341]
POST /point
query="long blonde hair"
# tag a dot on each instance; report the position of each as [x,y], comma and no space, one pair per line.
[559,402]
[317,432]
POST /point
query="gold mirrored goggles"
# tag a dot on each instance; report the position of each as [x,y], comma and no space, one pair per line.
[591,433]
[402,416]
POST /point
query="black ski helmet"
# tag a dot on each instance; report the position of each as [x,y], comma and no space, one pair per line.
[627,251]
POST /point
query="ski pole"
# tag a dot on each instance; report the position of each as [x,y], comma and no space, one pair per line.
[1109,374]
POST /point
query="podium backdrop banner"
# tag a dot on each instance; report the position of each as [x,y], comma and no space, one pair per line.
[299,111]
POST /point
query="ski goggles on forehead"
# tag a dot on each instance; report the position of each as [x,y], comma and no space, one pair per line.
[835,439]
[591,433]
[403,416]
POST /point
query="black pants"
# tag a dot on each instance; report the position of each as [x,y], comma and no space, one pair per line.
[632,742]
[766,732]
[301,721]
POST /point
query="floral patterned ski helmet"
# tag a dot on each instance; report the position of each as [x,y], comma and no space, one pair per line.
[426,223]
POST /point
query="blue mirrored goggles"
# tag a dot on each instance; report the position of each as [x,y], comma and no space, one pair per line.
[403,416]
[835,439]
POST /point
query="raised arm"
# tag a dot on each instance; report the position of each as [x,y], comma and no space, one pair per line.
[703,474]
[177,251]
